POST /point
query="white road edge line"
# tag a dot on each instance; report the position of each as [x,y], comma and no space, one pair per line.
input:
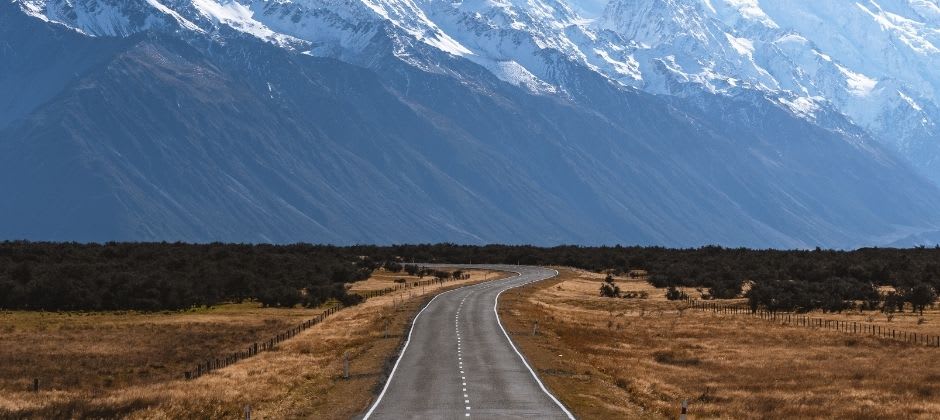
[524,362]
[408,341]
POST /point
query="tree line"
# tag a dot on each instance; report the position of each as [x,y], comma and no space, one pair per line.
[151,276]
[169,276]
[791,280]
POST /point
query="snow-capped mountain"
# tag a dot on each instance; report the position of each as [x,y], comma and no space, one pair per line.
[676,122]
[874,62]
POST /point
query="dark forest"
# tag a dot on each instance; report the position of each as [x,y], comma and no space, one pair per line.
[161,276]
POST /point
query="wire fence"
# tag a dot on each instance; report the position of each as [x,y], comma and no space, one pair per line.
[799,320]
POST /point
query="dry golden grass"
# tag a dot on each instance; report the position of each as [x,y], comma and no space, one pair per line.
[382,279]
[638,358]
[299,379]
[107,350]
[928,323]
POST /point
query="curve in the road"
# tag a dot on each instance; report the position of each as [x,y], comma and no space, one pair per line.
[472,370]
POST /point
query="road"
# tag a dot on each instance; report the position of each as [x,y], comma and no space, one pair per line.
[458,361]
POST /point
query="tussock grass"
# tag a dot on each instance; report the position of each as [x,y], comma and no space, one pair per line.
[638,358]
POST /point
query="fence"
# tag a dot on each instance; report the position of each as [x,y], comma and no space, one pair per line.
[218,362]
[401,286]
[849,327]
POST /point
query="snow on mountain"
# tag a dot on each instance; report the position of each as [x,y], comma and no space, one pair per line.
[106,17]
[679,36]
[873,61]
[343,23]
[241,18]
[743,140]
[515,34]
[590,9]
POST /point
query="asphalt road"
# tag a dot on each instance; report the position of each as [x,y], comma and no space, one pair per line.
[459,362]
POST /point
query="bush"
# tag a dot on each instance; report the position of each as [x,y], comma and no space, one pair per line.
[725,290]
[681,358]
[673,293]
[393,267]
[920,297]
[350,300]
[609,288]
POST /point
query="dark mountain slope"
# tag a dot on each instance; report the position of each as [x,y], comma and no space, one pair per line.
[28,46]
[166,138]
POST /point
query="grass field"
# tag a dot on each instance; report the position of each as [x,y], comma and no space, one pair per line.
[131,364]
[911,322]
[639,358]
[381,279]
[107,350]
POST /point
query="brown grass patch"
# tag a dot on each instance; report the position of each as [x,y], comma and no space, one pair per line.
[638,358]
[382,279]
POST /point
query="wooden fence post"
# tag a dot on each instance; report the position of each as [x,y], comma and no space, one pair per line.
[36,385]
[346,365]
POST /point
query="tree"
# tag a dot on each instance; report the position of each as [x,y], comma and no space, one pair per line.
[609,288]
[725,290]
[673,293]
[441,275]
[350,300]
[393,267]
[921,296]
[893,302]
[725,284]
[21,273]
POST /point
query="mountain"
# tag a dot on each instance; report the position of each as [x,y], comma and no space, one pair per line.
[874,62]
[424,121]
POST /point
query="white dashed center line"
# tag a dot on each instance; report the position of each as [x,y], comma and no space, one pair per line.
[463,378]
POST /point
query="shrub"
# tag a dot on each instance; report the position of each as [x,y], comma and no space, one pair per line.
[669,357]
[673,293]
[392,266]
[609,288]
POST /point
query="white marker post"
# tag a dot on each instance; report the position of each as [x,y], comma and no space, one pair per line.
[684,410]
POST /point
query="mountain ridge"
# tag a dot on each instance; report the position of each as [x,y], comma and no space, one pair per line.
[219,133]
